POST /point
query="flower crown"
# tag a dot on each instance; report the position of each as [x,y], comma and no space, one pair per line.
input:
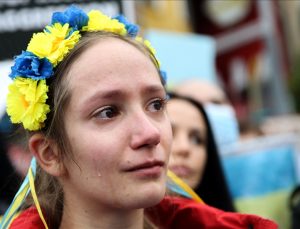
[27,96]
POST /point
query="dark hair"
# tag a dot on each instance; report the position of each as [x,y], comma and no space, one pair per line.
[10,180]
[213,186]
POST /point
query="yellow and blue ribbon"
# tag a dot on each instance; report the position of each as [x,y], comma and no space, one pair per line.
[26,187]
[175,184]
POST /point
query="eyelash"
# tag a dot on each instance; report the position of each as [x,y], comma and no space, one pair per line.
[114,110]
[162,103]
[102,114]
[196,140]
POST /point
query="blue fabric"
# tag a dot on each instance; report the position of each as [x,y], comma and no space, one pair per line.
[28,65]
[258,173]
[6,126]
[5,221]
[175,188]
[193,57]
[73,15]
[132,29]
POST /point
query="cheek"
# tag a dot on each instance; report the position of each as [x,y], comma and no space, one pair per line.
[93,155]
[199,158]
[93,165]
[167,138]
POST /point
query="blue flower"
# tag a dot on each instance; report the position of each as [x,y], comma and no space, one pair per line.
[30,66]
[74,16]
[131,28]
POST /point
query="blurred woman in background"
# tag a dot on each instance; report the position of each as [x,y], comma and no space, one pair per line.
[194,156]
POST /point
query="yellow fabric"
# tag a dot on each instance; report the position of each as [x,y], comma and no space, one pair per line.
[99,21]
[35,199]
[18,201]
[184,186]
[53,44]
[272,206]
[15,216]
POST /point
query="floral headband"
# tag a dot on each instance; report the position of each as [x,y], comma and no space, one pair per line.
[27,96]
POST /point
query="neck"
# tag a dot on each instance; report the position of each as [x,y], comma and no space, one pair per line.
[110,218]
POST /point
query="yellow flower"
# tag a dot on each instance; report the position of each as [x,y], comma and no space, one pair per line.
[139,39]
[26,102]
[100,22]
[150,47]
[158,62]
[148,44]
[53,44]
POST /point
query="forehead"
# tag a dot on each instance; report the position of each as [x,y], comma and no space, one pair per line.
[111,63]
[106,55]
[184,112]
[202,91]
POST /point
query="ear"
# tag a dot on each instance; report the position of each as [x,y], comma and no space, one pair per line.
[46,153]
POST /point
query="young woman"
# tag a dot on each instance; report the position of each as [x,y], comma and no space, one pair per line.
[93,159]
[92,96]
[194,156]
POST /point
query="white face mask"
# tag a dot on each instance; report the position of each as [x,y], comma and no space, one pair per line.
[223,122]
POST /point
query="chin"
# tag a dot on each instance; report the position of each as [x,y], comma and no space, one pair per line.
[149,196]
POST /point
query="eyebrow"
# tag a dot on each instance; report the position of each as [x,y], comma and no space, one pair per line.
[118,93]
[153,89]
[110,94]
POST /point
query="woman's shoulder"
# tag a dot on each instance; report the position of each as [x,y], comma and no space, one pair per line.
[27,219]
[177,212]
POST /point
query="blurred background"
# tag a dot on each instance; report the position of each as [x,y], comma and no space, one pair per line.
[250,49]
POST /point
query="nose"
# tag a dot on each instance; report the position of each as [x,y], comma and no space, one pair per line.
[145,132]
[181,146]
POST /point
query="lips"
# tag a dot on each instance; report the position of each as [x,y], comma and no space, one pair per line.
[181,170]
[151,169]
[146,165]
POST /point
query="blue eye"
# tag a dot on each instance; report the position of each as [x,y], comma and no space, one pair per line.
[107,113]
[157,105]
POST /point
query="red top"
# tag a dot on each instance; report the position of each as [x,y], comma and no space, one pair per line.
[176,213]
[28,219]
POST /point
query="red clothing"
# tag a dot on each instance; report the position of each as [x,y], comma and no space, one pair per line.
[177,213]
[28,219]
[173,213]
